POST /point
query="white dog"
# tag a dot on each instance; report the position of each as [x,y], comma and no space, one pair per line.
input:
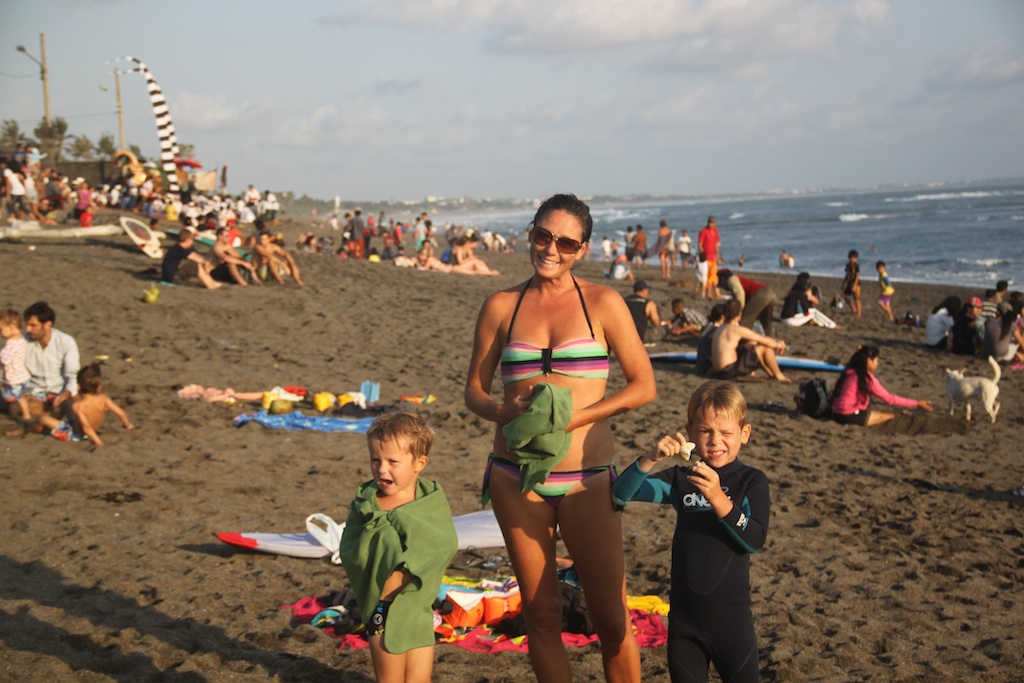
[962,389]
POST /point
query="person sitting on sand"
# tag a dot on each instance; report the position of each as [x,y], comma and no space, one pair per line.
[80,418]
[798,308]
[463,260]
[716,316]
[225,263]
[52,359]
[965,337]
[940,323]
[989,305]
[737,352]
[620,269]
[644,311]
[306,242]
[1003,337]
[856,386]
[425,260]
[686,322]
[273,256]
[183,250]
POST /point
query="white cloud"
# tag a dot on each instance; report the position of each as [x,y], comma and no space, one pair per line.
[710,34]
[990,65]
[206,111]
[960,76]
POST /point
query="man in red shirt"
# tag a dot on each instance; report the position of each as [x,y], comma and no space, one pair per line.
[708,242]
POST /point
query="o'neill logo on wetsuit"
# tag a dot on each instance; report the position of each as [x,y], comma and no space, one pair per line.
[696,502]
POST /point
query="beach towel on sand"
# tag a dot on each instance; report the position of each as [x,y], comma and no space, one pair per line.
[418,536]
[297,421]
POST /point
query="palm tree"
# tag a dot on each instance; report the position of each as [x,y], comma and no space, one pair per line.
[51,137]
[105,146]
[80,147]
[11,135]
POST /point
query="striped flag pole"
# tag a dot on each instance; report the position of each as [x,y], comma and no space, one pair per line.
[164,125]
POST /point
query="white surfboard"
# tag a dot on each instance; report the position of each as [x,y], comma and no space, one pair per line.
[140,233]
[475,530]
[32,229]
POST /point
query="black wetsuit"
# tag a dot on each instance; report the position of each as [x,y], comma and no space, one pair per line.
[638,309]
[172,259]
[710,618]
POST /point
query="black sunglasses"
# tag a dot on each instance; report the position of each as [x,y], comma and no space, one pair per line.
[565,245]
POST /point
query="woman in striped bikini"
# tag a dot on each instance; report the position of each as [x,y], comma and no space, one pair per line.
[555,329]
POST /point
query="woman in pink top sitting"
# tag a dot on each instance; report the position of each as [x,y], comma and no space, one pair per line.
[858,384]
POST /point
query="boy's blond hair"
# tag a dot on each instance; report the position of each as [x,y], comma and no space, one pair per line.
[405,428]
[9,316]
[719,397]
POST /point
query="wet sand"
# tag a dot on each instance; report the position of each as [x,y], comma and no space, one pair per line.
[895,553]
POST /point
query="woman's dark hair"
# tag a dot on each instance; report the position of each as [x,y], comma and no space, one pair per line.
[859,364]
[573,206]
[952,305]
[1007,318]
[803,282]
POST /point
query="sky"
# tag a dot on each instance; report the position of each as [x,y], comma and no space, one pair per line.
[404,99]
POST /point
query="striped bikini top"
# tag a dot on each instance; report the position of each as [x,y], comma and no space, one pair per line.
[583,358]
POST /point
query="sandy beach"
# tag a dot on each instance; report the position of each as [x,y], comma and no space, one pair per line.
[894,554]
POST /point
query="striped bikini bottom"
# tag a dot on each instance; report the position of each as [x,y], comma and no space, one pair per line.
[552,489]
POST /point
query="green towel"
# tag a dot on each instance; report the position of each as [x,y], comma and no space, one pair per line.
[538,436]
[419,535]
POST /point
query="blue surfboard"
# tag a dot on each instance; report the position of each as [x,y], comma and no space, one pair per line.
[784,361]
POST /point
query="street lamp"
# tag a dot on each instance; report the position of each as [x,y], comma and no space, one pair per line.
[43,75]
[120,109]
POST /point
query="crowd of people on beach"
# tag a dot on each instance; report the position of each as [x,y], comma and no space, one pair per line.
[34,192]
[548,341]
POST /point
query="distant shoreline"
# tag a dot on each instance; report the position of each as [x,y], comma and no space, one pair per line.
[469,205]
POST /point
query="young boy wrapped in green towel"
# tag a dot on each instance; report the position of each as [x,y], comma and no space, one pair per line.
[398,540]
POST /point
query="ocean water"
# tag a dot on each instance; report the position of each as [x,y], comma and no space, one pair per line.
[956,234]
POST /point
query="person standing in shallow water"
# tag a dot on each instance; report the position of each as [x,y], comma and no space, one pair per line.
[551,337]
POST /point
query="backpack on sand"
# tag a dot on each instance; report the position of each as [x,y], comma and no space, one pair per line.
[812,398]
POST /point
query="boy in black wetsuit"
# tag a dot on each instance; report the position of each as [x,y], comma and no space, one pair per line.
[723,508]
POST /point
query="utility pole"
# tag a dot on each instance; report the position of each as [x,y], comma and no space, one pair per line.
[120,110]
[44,76]
[46,80]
